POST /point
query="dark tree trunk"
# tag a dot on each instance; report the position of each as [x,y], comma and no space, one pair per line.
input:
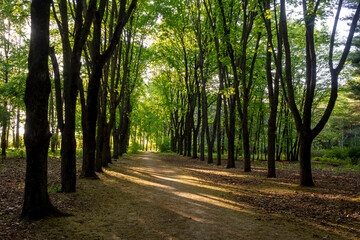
[246,138]
[98,63]
[17,134]
[271,144]
[124,128]
[305,159]
[52,123]
[5,121]
[173,140]
[231,135]
[181,136]
[37,134]
[4,133]
[72,65]
[194,144]
[196,130]
[217,123]
[115,142]
[218,143]
[304,123]
[58,96]
[99,161]
[188,127]
[273,90]
[68,146]
[106,150]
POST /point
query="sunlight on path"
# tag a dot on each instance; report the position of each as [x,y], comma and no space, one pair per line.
[145,197]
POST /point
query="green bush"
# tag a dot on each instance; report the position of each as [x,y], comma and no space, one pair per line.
[336,152]
[339,156]
[332,161]
[354,155]
[16,153]
[134,148]
[166,145]
[318,153]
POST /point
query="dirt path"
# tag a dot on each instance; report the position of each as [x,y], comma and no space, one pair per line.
[145,197]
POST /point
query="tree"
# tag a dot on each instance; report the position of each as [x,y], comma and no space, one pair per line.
[71,75]
[98,61]
[273,85]
[304,122]
[37,134]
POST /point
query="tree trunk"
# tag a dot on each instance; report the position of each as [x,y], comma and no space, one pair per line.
[37,134]
[196,131]
[181,136]
[71,74]
[99,162]
[68,145]
[115,142]
[17,131]
[305,159]
[3,133]
[106,150]
[271,143]
[125,126]
[246,138]
[231,134]
[273,91]
[98,64]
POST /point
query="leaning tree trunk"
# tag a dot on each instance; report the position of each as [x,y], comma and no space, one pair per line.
[37,133]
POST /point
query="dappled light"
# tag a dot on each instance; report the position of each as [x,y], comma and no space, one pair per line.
[177,186]
[154,196]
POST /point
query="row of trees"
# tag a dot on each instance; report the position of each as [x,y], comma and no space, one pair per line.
[224,72]
[228,71]
[101,46]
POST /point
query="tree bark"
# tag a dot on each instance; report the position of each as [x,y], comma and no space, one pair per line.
[4,133]
[305,159]
[37,134]
[17,134]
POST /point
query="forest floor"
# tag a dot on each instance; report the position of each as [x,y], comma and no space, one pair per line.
[165,196]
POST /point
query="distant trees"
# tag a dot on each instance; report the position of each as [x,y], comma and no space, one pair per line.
[230,37]
[13,67]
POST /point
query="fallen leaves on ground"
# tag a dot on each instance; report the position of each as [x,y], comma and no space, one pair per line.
[334,202]
[12,184]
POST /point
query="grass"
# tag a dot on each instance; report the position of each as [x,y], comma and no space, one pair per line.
[333,164]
